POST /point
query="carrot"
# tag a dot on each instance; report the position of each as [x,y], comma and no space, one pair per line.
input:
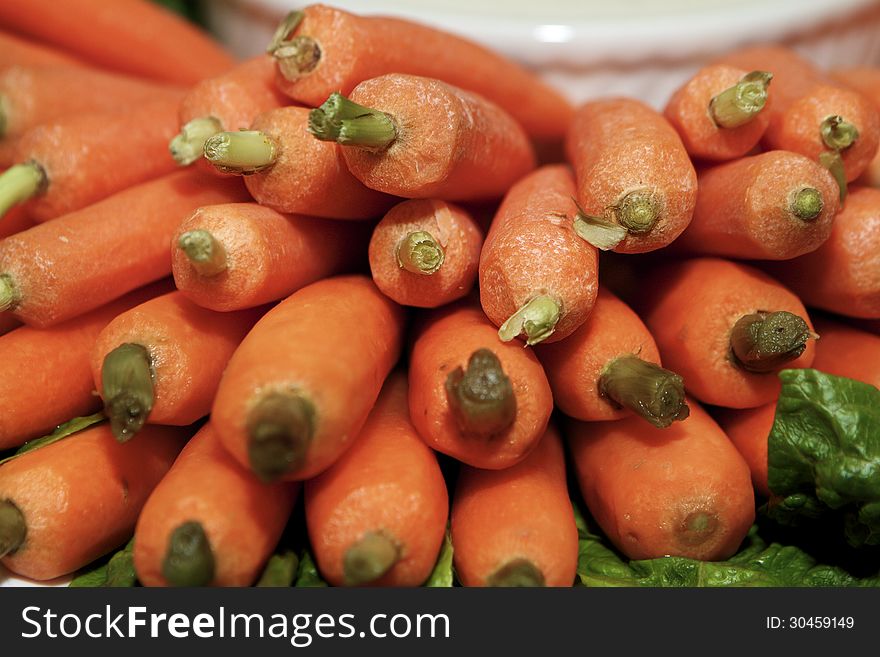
[726,328]
[773,206]
[8,323]
[241,255]
[15,221]
[609,368]
[867,82]
[537,277]
[748,430]
[516,527]
[229,101]
[160,362]
[377,516]
[289,413]
[683,491]
[425,252]
[209,521]
[66,504]
[73,162]
[134,36]
[7,152]
[45,277]
[45,377]
[843,274]
[322,49]
[813,114]
[635,182]
[389,131]
[18,51]
[481,401]
[290,171]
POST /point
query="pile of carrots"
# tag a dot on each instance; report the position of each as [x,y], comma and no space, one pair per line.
[347,274]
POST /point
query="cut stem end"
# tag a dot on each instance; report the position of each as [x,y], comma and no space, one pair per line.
[837,133]
[369,559]
[517,573]
[653,393]
[189,560]
[21,182]
[765,341]
[345,122]
[127,384]
[638,211]
[205,253]
[742,102]
[807,204]
[243,152]
[9,294]
[189,145]
[481,398]
[420,253]
[537,318]
[280,427]
[13,528]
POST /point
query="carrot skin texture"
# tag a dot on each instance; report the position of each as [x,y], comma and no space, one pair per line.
[58,489]
[749,431]
[15,221]
[242,516]
[522,512]
[15,50]
[843,350]
[388,481]
[680,491]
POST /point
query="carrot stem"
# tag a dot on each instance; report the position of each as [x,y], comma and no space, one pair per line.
[654,393]
[370,558]
[838,133]
[832,161]
[280,427]
[638,211]
[517,573]
[763,341]
[189,560]
[19,183]
[189,144]
[420,253]
[9,294]
[287,25]
[127,381]
[537,318]
[481,398]
[602,234]
[242,152]
[807,204]
[205,253]
[13,528]
[350,124]
[297,57]
[742,102]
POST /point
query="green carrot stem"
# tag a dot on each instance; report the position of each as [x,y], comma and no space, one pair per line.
[9,294]
[280,427]
[189,560]
[536,318]
[204,251]
[764,341]
[742,102]
[297,57]
[189,144]
[280,571]
[350,124]
[419,253]
[287,25]
[243,152]
[369,558]
[481,398]
[807,204]
[837,133]
[654,393]
[517,573]
[638,211]
[13,528]
[21,182]
[127,382]
[832,161]
[602,234]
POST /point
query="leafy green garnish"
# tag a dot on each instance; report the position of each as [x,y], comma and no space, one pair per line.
[62,431]
[117,572]
[442,575]
[308,576]
[280,570]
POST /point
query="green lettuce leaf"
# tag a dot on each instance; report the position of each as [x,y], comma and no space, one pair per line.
[442,575]
[308,576]
[280,570]
[62,431]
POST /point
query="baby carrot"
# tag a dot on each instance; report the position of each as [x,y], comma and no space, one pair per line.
[160,362]
[15,221]
[773,206]
[537,277]
[241,255]
[323,49]
[425,252]
[66,504]
[8,323]
[867,82]
[635,182]
[45,276]
[516,527]
[482,401]
[726,328]
[15,50]
[609,368]
[134,36]
[289,413]
[288,170]
[209,521]
[682,491]
[389,131]
[748,430]
[378,515]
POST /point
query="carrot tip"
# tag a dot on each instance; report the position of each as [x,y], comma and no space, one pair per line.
[481,398]
[13,528]
[652,392]
[349,124]
[517,573]
[763,341]
[280,427]
[370,558]
[287,25]
[206,255]
[127,384]
[9,295]
[742,102]
[189,560]
[838,133]
[697,528]
[420,253]
[832,161]
[807,204]
[243,152]
[537,318]
[189,145]
[604,235]
[21,182]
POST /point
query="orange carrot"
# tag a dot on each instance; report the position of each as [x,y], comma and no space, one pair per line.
[726,328]
[322,49]
[516,527]
[721,112]
[867,82]
[389,132]
[161,361]
[67,164]
[209,521]
[682,491]
[45,276]
[290,171]
[846,351]
[635,182]
[66,504]
[537,277]
[482,401]
[15,221]
[843,274]
[45,377]
[609,368]
[773,206]
[241,255]
[749,429]
[134,36]
[18,51]
[289,413]
[425,253]
[378,515]
[8,323]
